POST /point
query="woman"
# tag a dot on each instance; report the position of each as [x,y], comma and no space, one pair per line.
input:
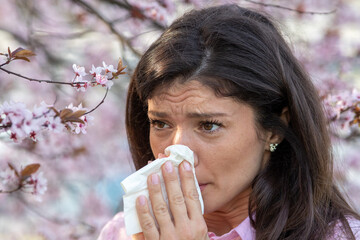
[224,82]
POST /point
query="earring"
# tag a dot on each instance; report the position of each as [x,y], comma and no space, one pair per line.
[273,147]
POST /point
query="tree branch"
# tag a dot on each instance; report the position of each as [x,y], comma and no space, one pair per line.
[102,101]
[127,6]
[122,38]
[11,191]
[36,80]
[290,9]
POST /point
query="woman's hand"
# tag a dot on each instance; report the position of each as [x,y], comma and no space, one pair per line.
[187,222]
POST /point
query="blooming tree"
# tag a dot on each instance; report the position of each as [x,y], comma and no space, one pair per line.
[63,149]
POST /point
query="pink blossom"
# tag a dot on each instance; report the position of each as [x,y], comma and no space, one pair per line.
[36,184]
[9,179]
[72,107]
[79,73]
[21,123]
[109,68]
[81,127]
[77,127]
[83,86]
[109,84]
[340,109]
[101,79]
[43,110]
[15,117]
[12,112]
[32,124]
[96,70]
[55,125]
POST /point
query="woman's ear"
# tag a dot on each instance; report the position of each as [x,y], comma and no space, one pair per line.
[276,138]
[285,116]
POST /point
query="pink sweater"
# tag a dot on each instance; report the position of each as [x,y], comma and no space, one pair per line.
[115,230]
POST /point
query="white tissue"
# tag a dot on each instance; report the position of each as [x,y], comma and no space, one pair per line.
[136,184]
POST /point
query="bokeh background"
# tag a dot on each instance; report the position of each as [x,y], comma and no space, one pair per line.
[84,171]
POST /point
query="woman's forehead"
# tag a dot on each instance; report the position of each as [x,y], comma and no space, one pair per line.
[178,89]
[191,98]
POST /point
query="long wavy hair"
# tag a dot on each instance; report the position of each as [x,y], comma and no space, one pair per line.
[240,53]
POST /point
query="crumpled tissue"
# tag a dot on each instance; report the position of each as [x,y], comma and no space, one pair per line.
[136,184]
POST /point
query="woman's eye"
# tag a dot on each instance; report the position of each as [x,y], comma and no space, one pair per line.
[159,124]
[210,126]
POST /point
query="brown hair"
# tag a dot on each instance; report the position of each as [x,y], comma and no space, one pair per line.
[240,53]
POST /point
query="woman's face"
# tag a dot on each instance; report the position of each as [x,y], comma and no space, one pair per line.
[220,131]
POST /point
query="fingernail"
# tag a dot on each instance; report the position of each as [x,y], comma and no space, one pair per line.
[154,179]
[186,166]
[142,200]
[168,167]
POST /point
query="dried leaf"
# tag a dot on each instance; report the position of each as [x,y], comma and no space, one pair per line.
[78,113]
[119,72]
[55,110]
[65,113]
[73,119]
[14,169]
[119,64]
[17,50]
[30,169]
[21,58]
[78,151]
[9,52]
[20,52]
[120,68]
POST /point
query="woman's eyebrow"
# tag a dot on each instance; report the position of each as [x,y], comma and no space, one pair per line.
[158,114]
[190,115]
[207,115]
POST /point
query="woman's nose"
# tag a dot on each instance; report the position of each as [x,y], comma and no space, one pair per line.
[183,137]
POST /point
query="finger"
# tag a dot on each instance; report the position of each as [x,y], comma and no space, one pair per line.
[174,193]
[158,203]
[149,162]
[138,236]
[161,155]
[146,220]
[189,190]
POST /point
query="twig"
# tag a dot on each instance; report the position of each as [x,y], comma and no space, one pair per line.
[38,80]
[5,126]
[54,82]
[102,101]
[122,38]
[11,191]
[63,35]
[290,9]
[7,62]
[127,6]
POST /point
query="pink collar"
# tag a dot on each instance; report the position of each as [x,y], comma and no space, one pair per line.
[244,231]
